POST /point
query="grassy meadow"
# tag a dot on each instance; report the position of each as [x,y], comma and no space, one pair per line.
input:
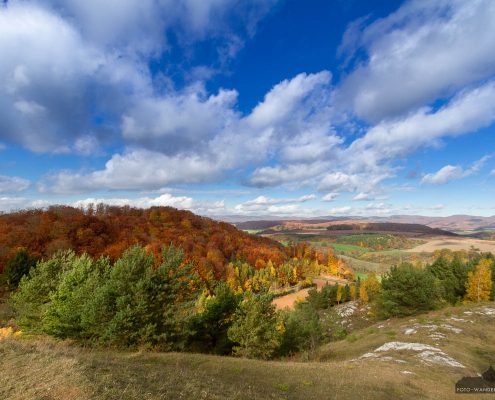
[40,367]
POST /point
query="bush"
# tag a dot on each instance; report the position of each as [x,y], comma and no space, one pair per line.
[256,330]
[131,303]
[19,266]
[63,316]
[142,305]
[33,296]
[407,290]
[303,330]
[324,298]
[211,324]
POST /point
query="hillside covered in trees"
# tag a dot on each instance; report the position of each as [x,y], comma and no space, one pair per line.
[107,231]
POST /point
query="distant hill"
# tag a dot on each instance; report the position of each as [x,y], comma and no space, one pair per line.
[343,225]
[266,224]
[109,231]
[451,223]
[390,227]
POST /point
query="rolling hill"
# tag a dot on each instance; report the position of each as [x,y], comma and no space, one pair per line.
[345,225]
[406,358]
[108,231]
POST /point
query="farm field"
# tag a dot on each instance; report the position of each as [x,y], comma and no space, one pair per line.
[377,251]
[454,244]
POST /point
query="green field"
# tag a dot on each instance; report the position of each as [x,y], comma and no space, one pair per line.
[367,252]
[348,248]
[378,241]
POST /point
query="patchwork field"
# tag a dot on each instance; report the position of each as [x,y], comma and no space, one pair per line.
[367,251]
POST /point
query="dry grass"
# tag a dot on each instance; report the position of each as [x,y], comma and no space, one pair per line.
[42,368]
[48,370]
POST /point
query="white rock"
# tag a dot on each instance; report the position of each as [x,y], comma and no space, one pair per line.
[439,357]
[451,328]
[427,353]
[458,319]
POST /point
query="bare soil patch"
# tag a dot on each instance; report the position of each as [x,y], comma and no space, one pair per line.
[290,299]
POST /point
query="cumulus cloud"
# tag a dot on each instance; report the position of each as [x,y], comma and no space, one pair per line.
[189,137]
[344,182]
[79,81]
[362,197]
[55,80]
[340,210]
[165,200]
[166,123]
[13,184]
[444,175]
[450,172]
[263,205]
[281,174]
[330,197]
[467,112]
[138,169]
[73,74]
[263,200]
[423,51]
[20,203]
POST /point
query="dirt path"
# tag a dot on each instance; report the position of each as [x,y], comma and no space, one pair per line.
[290,299]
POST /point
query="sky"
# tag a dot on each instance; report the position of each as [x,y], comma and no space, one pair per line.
[288,108]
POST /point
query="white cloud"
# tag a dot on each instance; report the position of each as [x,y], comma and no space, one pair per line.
[198,138]
[138,169]
[180,122]
[450,172]
[422,52]
[263,200]
[20,203]
[67,64]
[278,175]
[165,200]
[289,98]
[343,182]
[54,78]
[13,184]
[362,197]
[467,112]
[330,197]
[263,205]
[340,210]
[444,175]
[141,26]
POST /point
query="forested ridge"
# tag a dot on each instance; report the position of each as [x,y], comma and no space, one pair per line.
[108,231]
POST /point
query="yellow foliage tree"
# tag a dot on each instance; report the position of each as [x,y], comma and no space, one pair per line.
[339,294]
[363,294]
[479,282]
[352,292]
[369,288]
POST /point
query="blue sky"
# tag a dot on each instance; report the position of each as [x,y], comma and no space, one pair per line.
[249,108]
